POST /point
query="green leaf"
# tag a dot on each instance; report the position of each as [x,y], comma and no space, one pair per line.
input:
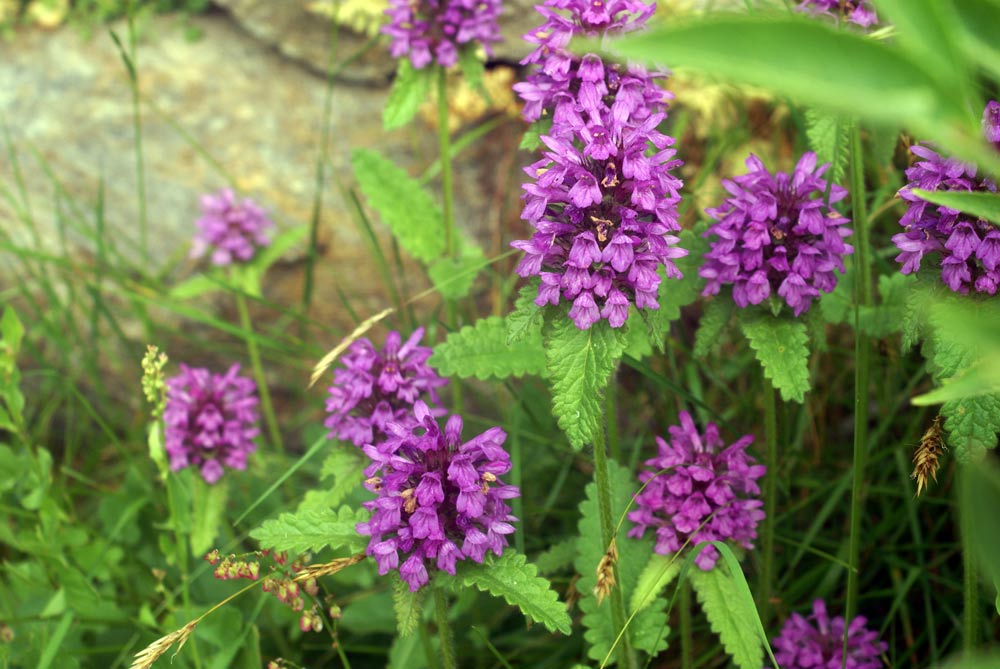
[11,331]
[674,294]
[526,319]
[532,136]
[982,32]
[580,364]
[481,350]
[660,571]
[714,320]
[453,277]
[731,618]
[197,285]
[279,246]
[637,339]
[828,139]
[406,208]
[984,205]
[473,69]
[648,629]
[557,556]
[512,577]
[210,502]
[341,474]
[409,90]
[979,489]
[780,347]
[312,530]
[407,605]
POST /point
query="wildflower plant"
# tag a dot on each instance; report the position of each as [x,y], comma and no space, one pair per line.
[819,641]
[230,231]
[858,12]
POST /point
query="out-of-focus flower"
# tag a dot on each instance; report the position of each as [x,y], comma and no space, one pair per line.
[439,500]
[211,420]
[373,388]
[817,642]
[434,30]
[233,231]
[775,235]
[858,12]
[708,492]
[968,246]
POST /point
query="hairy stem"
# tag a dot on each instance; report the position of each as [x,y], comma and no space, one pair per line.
[444,630]
[687,655]
[258,373]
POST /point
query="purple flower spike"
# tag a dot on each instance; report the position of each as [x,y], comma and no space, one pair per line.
[774,236]
[858,12]
[439,500]
[708,493]
[211,420]
[435,30]
[968,246]
[817,642]
[374,388]
[232,230]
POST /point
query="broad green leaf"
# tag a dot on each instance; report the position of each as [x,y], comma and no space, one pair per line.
[341,474]
[313,530]
[407,605]
[473,69]
[11,331]
[659,572]
[982,32]
[197,285]
[979,489]
[453,277]
[532,136]
[780,347]
[580,364]
[407,653]
[803,59]
[481,350]
[828,139]
[512,577]
[673,294]
[880,320]
[637,339]
[983,205]
[409,90]
[210,503]
[729,614]
[648,629]
[526,318]
[714,319]
[406,208]
[557,556]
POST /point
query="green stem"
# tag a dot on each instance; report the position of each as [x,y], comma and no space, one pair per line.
[444,138]
[687,656]
[862,346]
[444,630]
[970,586]
[765,587]
[181,542]
[258,373]
[140,167]
[602,478]
[611,411]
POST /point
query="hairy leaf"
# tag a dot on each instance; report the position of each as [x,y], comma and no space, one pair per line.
[481,350]
[407,605]
[406,208]
[210,500]
[313,530]
[531,141]
[512,577]
[780,346]
[714,320]
[657,575]
[453,277]
[828,139]
[526,318]
[674,294]
[580,364]
[557,556]
[341,474]
[732,618]
[409,90]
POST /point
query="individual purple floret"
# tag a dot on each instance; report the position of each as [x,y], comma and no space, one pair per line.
[817,642]
[232,230]
[708,493]
[211,420]
[858,12]
[969,247]
[775,235]
[439,500]
[434,30]
[373,388]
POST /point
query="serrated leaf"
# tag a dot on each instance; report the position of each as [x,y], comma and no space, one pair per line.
[657,575]
[403,205]
[674,294]
[984,205]
[648,629]
[409,90]
[637,339]
[341,474]
[210,501]
[828,139]
[526,317]
[780,346]
[481,350]
[531,141]
[453,277]
[313,530]
[729,615]
[714,319]
[580,364]
[407,605]
[557,556]
[512,577]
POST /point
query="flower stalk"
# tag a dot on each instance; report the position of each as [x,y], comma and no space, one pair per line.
[270,419]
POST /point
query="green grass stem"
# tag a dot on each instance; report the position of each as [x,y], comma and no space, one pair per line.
[258,374]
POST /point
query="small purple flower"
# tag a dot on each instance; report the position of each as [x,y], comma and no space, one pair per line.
[858,12]
[232,230]
[708,493]
[775,236]
[373,388]
[817,642]
[211,420]
[968,246]
[439,500]
[435,30]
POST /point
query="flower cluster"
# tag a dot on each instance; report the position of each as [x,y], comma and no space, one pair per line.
[858,12]
[817,642]
[438,499]
[374,388]
[210,420]
[707,493]
[232,230]
[969,247]
[434,30]
[601,203]
[775,234]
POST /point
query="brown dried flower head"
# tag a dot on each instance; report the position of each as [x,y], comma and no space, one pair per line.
[926,459]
